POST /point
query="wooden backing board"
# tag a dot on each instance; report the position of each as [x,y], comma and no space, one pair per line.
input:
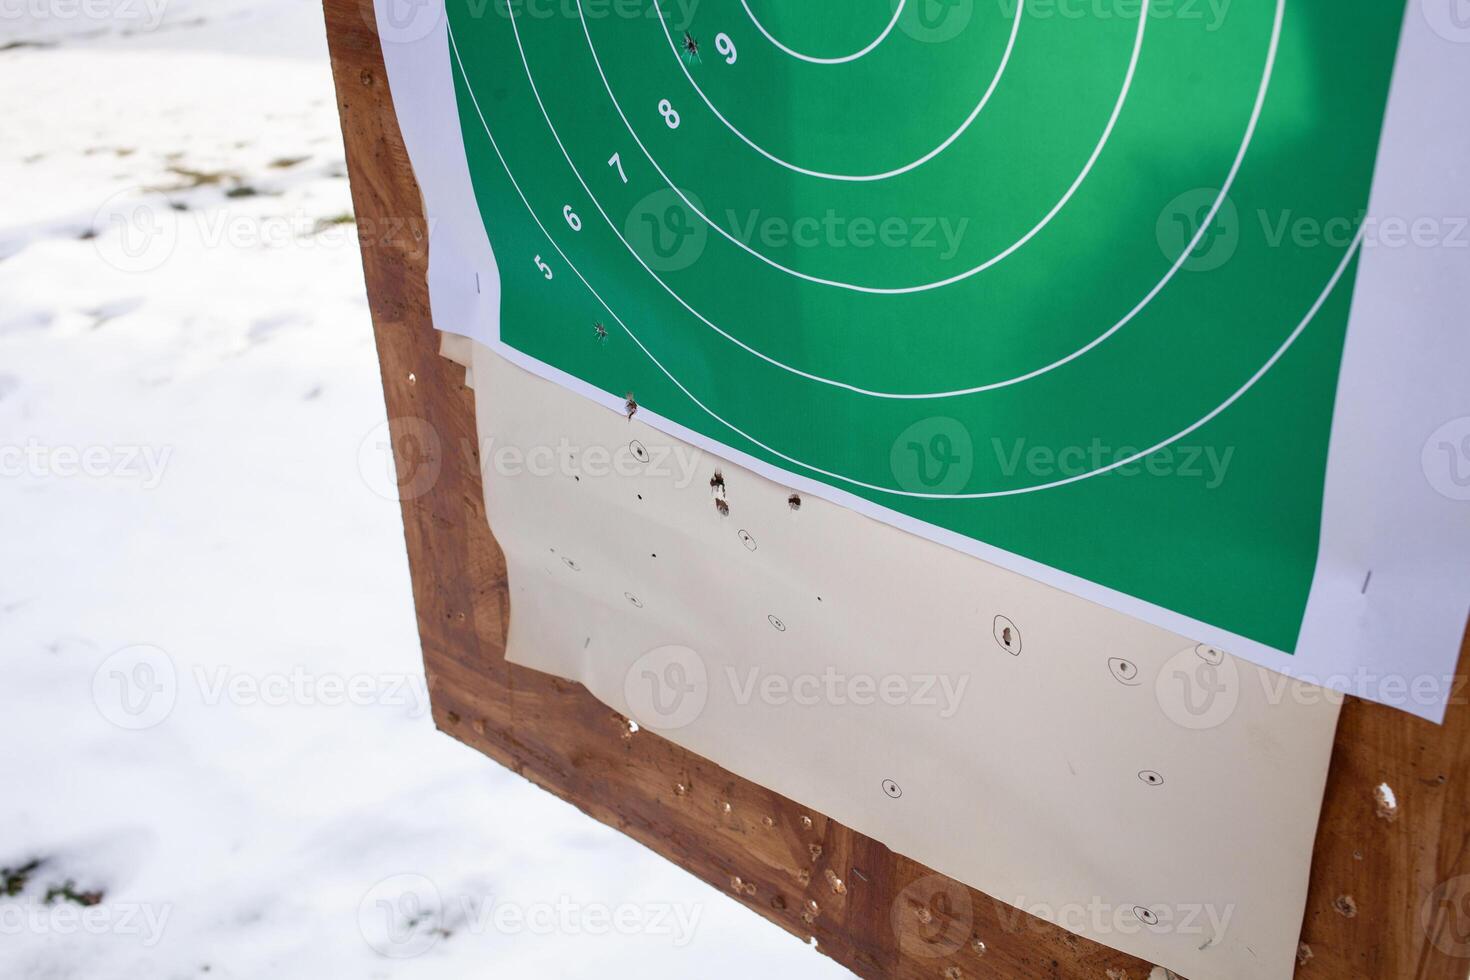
[1387,897]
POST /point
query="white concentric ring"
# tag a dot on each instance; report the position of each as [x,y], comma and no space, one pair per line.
[820,61]
[1179,262]
[1271,362]
[824,175]
[895,290]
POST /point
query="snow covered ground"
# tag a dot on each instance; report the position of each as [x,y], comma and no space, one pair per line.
[218,759]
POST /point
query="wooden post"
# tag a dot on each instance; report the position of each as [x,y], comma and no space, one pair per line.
[1390,893]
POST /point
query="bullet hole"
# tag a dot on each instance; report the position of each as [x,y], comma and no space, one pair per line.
[1007,636]
[1345,906]
[599,330]
[717,487]
[1385,803]
[794,501]
[631,405]
[1125,672]
[1303,953]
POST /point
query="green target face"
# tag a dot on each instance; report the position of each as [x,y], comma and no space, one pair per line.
[1031,275]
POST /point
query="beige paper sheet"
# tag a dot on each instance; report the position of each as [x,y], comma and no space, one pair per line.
[1101,773]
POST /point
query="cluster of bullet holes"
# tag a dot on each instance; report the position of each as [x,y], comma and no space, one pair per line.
[717,488]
